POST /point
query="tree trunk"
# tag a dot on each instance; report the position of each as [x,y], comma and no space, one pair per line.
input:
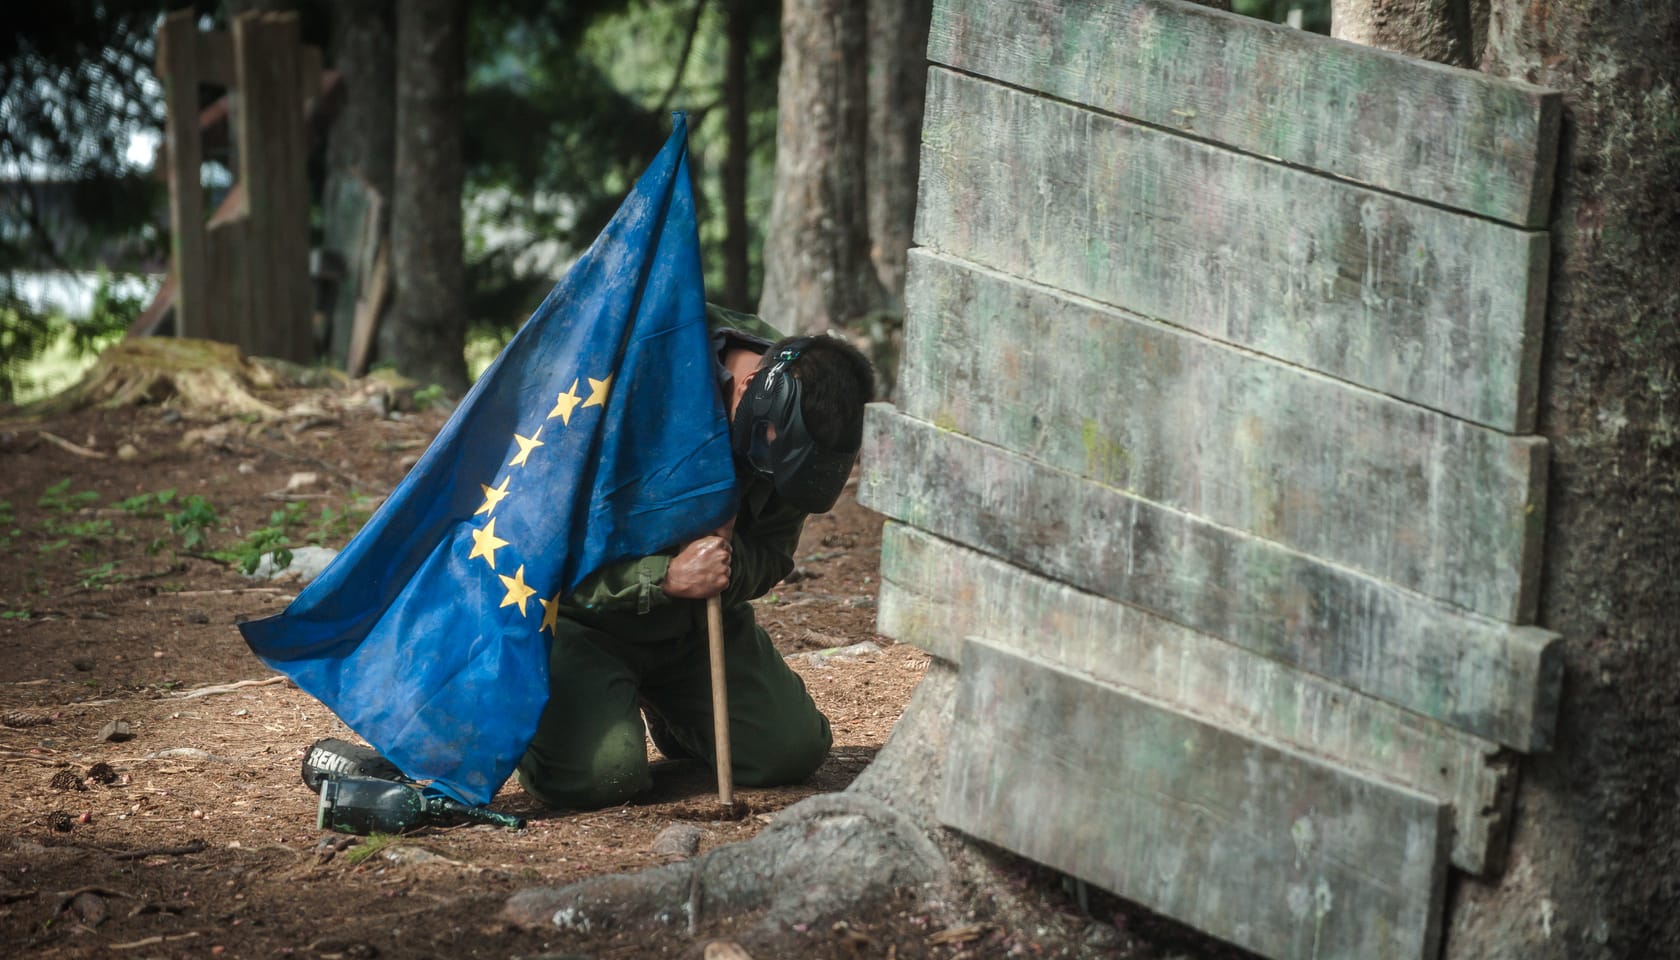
[1592,870]
[817,269]
[898,37]
[739,15]
[362,144]
[1445,31]
[425,334]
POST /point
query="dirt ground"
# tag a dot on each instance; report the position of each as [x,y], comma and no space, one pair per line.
[189,832]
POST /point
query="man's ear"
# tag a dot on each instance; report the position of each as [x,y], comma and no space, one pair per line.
[740,389]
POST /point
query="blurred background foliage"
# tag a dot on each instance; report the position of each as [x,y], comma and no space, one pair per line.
[566,101]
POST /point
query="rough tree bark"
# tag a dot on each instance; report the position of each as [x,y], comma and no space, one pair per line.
[362,143]
[425,333]
[1445,31]
[740,15]
[1594,868]
[832,853]
[817,269]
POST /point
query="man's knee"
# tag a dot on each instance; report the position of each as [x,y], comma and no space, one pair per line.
[787,753]
[617,772]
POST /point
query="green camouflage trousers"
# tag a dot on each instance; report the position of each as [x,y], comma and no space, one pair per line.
[590,749]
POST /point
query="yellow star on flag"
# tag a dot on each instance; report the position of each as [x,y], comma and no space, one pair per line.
[551,614]
[564,403]
[492,496]
[486,543]
[517,591]
[598,391]
[526,445]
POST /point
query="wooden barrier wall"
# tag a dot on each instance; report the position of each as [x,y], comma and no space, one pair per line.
[243,276]
[1212,468]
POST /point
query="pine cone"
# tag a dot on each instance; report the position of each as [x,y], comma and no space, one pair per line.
[18,718]
[67,780]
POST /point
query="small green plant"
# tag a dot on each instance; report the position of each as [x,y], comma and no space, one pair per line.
[339,525]
[147,504]
[428,397]
[101,574]
[23,614]
[372,846]
[78,530]
[60,497]
[293,514]
[248,556]
[194,523]
[53,546]
[8,532]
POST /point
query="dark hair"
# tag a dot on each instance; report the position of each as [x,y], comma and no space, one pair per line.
[835,381]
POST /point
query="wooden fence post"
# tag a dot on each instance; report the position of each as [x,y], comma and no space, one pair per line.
[177,67]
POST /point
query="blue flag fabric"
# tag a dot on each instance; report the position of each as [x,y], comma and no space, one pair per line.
[597,434]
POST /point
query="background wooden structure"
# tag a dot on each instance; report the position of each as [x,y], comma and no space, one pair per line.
[243,276]
[1212,466]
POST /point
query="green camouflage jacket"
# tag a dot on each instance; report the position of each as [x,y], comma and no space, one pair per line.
[624,598]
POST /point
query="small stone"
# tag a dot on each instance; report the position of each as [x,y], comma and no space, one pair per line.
[90,908]
[127,451]
[298,481]
[246,468]
[157,654]
[851,651]
[1100,934]
[726,950]
[307,564]
[116,731]
[801,573]
[677,840]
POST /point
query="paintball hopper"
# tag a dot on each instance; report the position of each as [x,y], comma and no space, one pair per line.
[331,758]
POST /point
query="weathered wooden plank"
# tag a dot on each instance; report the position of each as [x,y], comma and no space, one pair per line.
[1281,853]
[273,166]
[934,593]
[1435,504]
[177,65]
[1484,677]
[1449,136]
[215,58]
[353,216]
[1434,307]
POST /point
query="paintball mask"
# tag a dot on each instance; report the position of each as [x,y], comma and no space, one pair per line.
[769,435]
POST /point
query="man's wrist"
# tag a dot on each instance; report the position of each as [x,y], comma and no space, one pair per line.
[650,574]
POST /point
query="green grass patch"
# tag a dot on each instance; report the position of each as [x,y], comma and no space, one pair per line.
[372,846]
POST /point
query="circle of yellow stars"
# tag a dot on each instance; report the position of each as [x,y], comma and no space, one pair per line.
[485,543]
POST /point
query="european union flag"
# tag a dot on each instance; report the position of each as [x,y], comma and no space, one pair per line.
[598,434]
